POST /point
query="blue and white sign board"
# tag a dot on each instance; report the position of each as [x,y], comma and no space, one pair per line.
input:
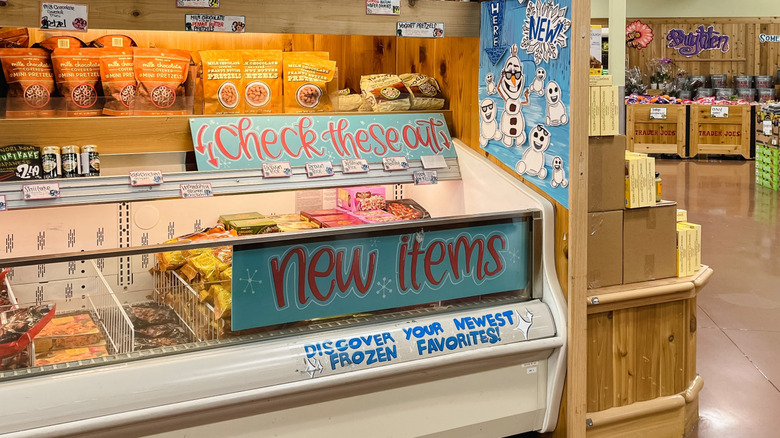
[248,142]
[524,90]
[284,283]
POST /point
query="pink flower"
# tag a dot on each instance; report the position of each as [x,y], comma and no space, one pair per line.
[638,35]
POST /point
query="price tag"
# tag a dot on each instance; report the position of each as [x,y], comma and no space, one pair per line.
[64,16]
[395,163]
[277,170]
[433,162]
[319,169]
[354,165]
[426,177]
[3,204]
[146,178]
[383,7]
[214,23]
[196,190]
[767,127]
[214,4]
[657,113]
[32,192]
[719,112]
[413,29]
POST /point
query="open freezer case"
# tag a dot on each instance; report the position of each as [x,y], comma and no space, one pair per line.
[452,325]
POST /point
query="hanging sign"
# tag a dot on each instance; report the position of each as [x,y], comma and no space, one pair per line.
[414,29]
[702,39]
[248,142]
[495,45]
[638,35]
[197,4]
[278,283]
[61,16]
[383,7]
[764,38]
[214,23]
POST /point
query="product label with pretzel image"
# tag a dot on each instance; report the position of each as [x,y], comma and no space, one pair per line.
[214,23]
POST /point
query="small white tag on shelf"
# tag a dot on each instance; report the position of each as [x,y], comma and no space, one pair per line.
[719,112]
[657,113]
[415,29]
[40,191]
[395,163]
[214,4]
[64,16]
[383,7]
[214,23]
[433,162]
[319,169]
[354,165]
[146,178]
[767,127]
[3,204]
[531,370]
[277,170]
[426,177]
[196,190]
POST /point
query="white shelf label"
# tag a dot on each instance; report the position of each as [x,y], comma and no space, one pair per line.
[413,29]
[433,162]
[214,23]
[657,113]
[196,190]
[146,178]
[354,165]
[319,169]
[63,16]
[395,163]
[32,192]
[213,4]
[719,112]
[383,7]
[426,177]
[277,170]
[767,127]
[3,204]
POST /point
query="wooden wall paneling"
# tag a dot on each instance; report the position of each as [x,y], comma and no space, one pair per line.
[647,341]
[624,356]
[673,340]
[417,55]
[690,328]
[336,45]
[368,55]
[600,363]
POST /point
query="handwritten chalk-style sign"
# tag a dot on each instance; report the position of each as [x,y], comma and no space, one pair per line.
[31,192]
[719,112]
[63,16]
[658,113]
[700,40]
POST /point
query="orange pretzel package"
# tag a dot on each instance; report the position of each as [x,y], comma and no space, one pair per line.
[30,79]
[262,81]
[222,76]
[77,73]
[118,78]
[306,79]
[161,74]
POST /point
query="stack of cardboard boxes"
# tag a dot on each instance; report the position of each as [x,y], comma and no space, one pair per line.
[605,104]
[767,151]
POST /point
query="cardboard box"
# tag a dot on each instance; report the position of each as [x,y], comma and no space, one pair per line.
[606,174]
[248,227]
[610,111]
[605,249]
[650,242]
[640,189]
[682,215]
[683,259]
[228,219]
[361,198]
[696,244]
[601,80]
[595,112]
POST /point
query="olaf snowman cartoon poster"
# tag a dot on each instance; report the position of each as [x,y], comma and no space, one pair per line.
[524,89]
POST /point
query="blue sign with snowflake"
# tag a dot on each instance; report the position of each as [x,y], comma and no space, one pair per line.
[282,283]
[249,142]
[524,92]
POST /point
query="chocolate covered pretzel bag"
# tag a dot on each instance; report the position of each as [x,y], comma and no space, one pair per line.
[77,74]
[30,79]
[161,74]
[118,78]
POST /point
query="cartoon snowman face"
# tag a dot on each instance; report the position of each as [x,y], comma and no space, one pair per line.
[553,92]
[557,163]
[541,74]
[540,138]
[487,110]
[512,75]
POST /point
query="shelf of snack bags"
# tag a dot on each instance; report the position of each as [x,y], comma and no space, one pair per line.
[656,125]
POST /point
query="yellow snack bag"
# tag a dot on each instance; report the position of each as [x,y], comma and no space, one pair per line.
[306,79]
[262,84]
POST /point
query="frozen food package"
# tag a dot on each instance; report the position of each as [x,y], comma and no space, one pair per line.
[222,301]
[306,79]
[77,74]
[222,79]
[424,91]
[71,331]
[107,41]
[161,74]
[262,84]
[147,314]
[385,92]
[30,79]
[70,355]
[118,78]
[407,209]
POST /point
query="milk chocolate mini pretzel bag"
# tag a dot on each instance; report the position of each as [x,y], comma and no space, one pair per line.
[60,42]
[222,78]
[113,41]
[118,78]
[160,74]
[30,79]
[385,92]
[425,91]
[262,85]
[306,79]
[77,73]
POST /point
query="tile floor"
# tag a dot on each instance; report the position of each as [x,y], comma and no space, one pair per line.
[739,310]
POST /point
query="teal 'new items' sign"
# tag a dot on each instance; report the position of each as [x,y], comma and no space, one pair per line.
[283,283]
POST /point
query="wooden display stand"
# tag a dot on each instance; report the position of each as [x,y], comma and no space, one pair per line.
[728,135]
[651,135]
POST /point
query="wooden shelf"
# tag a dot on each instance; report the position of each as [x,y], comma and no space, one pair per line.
[122,135]
[334,17]
[647,293]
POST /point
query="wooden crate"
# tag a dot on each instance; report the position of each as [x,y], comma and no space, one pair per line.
[657,136]
[714,135]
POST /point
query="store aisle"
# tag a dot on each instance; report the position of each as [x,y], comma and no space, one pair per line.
[739,310]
